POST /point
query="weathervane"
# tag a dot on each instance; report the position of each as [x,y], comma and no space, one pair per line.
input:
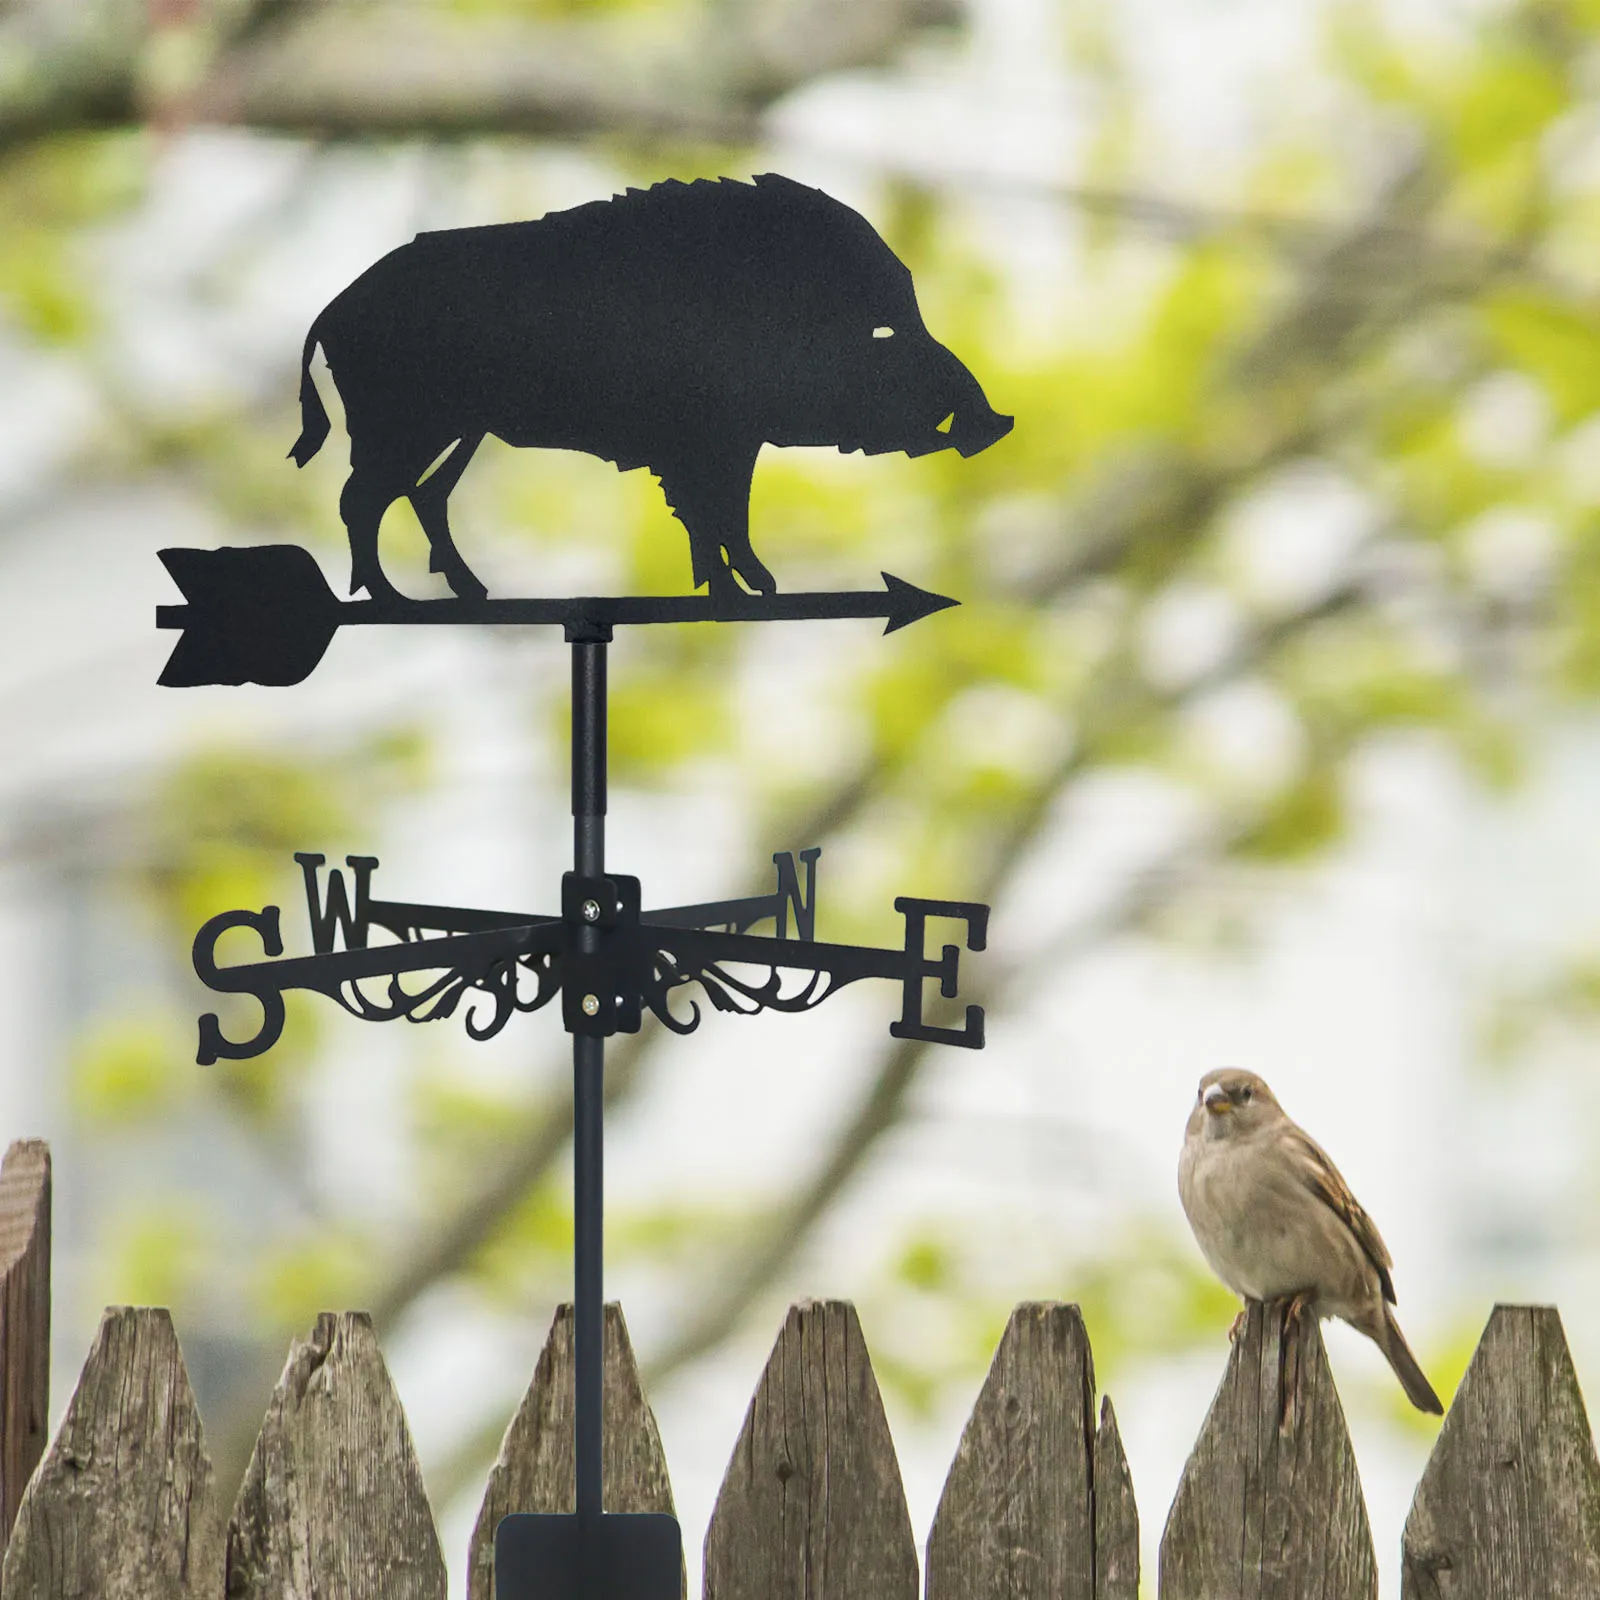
[679,328]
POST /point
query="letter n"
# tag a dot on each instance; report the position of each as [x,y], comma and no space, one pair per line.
[805,909]
[334,914]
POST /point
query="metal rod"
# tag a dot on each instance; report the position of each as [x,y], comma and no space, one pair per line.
[588,1083]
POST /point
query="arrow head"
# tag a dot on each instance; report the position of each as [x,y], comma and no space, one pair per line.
[908,603]
[262,614]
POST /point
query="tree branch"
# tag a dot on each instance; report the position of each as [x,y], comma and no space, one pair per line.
[336,71]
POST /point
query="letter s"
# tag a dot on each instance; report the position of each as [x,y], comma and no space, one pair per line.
[238,980]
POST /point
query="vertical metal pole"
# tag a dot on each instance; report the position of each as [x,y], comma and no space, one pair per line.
[588,1079]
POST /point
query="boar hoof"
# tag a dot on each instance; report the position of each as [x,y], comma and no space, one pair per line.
[375,583]
[755,577]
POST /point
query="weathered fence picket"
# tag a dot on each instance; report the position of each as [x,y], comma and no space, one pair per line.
[1034,1487]
[124,1505]
[1269,1506]
[1038,1503]
[24,1320]
[811,1506]
[535,1468]
[1509,1505]
[1116,1513]
[332,1501]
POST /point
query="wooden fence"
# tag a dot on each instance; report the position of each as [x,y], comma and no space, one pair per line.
[1038,1504]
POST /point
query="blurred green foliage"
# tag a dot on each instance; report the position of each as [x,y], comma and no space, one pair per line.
[224,823]
[129,1068]
[938,1312]
[299,1276]
[53,194]
[1563,998]
[158,1250]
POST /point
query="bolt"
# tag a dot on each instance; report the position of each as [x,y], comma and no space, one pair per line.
[591,910]
[591,1005]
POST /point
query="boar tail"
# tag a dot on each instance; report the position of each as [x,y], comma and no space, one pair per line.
[313,417]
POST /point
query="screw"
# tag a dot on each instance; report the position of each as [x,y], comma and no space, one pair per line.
[591,910]
[591,1005]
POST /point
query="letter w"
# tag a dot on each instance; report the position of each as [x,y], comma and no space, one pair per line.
[334,914]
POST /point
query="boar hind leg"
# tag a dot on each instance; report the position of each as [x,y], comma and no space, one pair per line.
[428,500]
[367,495]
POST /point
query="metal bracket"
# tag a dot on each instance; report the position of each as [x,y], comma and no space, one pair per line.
[599,987]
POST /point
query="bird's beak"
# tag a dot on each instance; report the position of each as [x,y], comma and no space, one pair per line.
[1216,1100]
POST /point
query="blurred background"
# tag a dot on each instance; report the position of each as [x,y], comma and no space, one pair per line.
[1268,722]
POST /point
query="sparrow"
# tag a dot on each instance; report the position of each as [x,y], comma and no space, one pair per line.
[1275,1220]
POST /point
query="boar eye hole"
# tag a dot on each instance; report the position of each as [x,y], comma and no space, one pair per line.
[883,333]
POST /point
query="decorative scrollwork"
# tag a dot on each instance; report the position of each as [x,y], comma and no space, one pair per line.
[504,969]
[497,986]
[728,992]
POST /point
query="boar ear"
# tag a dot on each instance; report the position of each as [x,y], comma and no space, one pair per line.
[776,180]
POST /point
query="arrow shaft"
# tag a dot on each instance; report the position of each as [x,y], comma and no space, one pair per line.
[601,610]
[614,610]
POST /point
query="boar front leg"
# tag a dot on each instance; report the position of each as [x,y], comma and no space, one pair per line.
[711,498]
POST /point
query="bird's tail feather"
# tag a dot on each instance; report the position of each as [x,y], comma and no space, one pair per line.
[1412,1378]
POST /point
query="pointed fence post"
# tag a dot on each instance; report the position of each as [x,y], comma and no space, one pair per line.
[1263,1511]
[1509,1505]
[535,1468]
[811,1506]
[1116,1515]
[332,1502]
[24,1320]
[124,1505]
[1034,1487]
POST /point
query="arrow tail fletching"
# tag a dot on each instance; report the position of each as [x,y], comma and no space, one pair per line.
[260,614]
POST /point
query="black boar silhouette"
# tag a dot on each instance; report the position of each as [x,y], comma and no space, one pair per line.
[678,328]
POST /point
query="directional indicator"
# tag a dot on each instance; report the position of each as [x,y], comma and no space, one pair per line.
[265,614]
[502,962]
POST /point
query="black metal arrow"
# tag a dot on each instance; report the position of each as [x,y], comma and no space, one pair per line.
[265,614]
